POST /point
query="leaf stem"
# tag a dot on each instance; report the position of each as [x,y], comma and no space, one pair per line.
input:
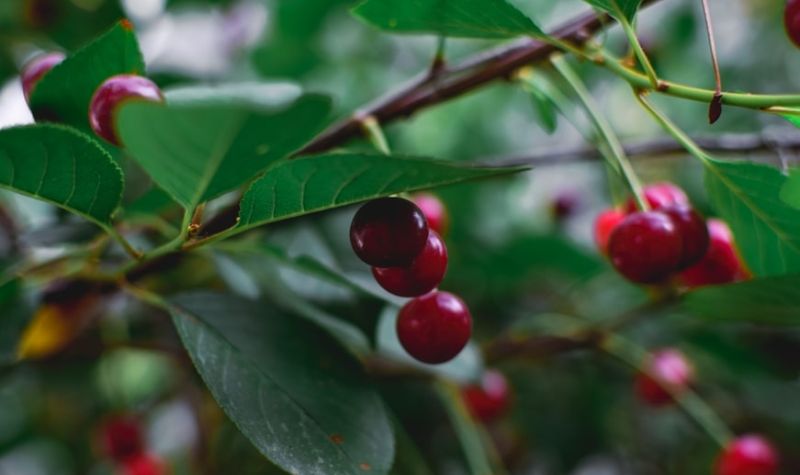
[127,246]
[694,406]
[481,457]
[617,154]
[630,32]
[374,132]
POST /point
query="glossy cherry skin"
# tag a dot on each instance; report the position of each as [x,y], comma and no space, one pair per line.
[660,195]
[34,71]
[604,225]
[693,230]
[144,464]
[434,328]
[748,455]
[791,20]
[423,275]
[668,367]
[388,232]
[114,92]
[721,263]
[122,438]
[646,247]
[435,212]
[490,399]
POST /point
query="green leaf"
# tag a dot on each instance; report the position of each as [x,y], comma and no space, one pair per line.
[458,18]
[65,92]
[619,9]
[540,90]
[205,142]
[61,166]
[773,300]
[311,184]
[767,230]
[299,399]
[16,311]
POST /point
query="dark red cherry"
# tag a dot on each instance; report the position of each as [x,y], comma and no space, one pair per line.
[564,205]
[435,212]
[791,20]
[122,438]
[388,232]
[34,71]
[748,455]
[660,195]
[489,399]
[422,276]
[721,263]
[693,230]
[646,247]
[604,225]
[144,464]
[111,94]
[667,368]
[434,328]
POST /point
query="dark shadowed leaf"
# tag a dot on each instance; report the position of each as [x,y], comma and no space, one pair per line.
[618,8]
[288,387]
[15,312]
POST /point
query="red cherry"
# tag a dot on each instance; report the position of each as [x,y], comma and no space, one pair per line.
[669,368]
[748,455]
[646,247]
[791,20]
[122,438]
[388,232]
[144,464]
[422,276]
[34,71]
[660,195]
[604,225]
[434,328]
[489,399]
[435,212]
[693,230]
[721,263]
[113,92]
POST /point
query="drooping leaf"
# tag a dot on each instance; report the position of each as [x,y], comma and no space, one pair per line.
[61,166]
[65,92]
[618,8]
[205,142]
[312,184]
[298,398]
[767,230]
[540,90]
[458,18]
[772,300]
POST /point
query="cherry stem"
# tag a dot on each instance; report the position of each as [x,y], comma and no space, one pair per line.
[630,32]
[692,404]
[671,128]
[712,44]
[374,132]
[616,153]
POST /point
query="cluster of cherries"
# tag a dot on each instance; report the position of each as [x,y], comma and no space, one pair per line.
[650,247]
[106,99]
[123,442]
[668,374]
[401,240]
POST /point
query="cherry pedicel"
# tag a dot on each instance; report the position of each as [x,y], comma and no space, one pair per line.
[720,264]
[122,438]
[604,225]
[423,275]
[388,232]
[114,92]
[35,70]
[693,230]
[435,212]
[489,399]
[669,368]
[791,20]
[144,464]
[434,328]
[660,195]
[748,455]
[646,247]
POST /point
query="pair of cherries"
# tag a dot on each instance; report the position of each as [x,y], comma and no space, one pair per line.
[648,247]
[106,99]
[409,259]
[668,374]
[123,442]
